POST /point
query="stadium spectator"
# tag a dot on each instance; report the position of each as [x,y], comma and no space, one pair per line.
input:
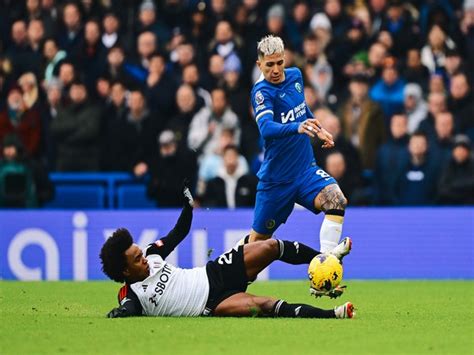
[442,142]
[335,165]
[130,140]
[433,54]
[116,69]
[146,47]
[457,182]
[54,57]
[388,90]
[25,123]
[19,52]
[67,75]
[461,103]
[232,187]
[168,169]
[275,23]
[415,71]
[31,92]
[148,21]
[417,181]
[436,104]
[376,57]
[208,123]
[72,33]
[23,182]
[161,87]
[211,163]
[398,23]
[415,107]
[75,131]
[362,121]
[111,25]
[90,55]
[191,76]
[215,72]
[453,62]
[343,145]
[35,11]
[186,109]
[391,157]
[317,69]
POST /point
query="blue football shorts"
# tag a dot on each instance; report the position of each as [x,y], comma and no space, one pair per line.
[275,201]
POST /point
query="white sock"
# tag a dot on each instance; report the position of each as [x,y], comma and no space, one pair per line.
[330,233]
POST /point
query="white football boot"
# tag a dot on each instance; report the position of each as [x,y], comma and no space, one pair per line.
[345,311]
[342,249]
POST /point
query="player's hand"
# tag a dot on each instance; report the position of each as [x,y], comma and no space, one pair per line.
[326,137]
[117,313]
[187,195]
[310,127]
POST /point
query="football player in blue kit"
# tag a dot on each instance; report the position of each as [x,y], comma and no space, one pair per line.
[289,173]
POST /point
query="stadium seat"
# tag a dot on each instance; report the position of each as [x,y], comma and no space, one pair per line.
[133,196]
[78,196]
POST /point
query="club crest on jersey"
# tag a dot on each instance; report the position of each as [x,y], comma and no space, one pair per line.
[259,98]
[270,223]
[298,87]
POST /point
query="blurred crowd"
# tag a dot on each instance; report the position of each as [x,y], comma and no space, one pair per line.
[161,89]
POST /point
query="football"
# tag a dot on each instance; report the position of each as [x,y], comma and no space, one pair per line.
[325,272]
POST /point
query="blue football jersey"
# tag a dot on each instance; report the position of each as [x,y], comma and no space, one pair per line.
[279,109]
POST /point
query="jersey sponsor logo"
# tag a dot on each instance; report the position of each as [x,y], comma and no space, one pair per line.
[282,95]
[259,97]
[294,113]
[298,87]
[163,280]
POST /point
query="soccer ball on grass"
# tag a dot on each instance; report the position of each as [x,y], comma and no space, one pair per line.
[325,272]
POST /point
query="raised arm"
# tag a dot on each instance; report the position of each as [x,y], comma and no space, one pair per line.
[166,245]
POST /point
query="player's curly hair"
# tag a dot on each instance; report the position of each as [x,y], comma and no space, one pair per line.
[112,254]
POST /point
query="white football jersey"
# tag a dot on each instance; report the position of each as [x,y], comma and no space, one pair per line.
[171,291]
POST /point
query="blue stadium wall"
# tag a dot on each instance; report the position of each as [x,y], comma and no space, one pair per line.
[389,243]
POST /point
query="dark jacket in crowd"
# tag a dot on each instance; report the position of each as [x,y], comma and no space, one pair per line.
[128,142]
[245,192]
[457,183]
[76,133]
[417,185]
[391,157]
[167,175]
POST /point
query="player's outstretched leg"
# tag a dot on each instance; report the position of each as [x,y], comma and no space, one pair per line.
[247,305]
[332,202]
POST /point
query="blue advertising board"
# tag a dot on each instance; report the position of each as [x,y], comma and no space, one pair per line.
[389,243]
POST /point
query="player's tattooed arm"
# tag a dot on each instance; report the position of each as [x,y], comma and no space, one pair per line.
[331,198]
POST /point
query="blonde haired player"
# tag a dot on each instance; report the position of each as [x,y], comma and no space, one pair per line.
[289,173]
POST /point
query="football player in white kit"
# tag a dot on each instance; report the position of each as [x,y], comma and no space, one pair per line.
[154,287]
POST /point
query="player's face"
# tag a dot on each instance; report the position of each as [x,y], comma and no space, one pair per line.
[137,266]
[272,67]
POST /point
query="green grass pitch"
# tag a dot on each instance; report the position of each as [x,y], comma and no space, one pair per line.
[393,317]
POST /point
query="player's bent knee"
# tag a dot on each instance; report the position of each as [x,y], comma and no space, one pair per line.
[255,236]
[271,246]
